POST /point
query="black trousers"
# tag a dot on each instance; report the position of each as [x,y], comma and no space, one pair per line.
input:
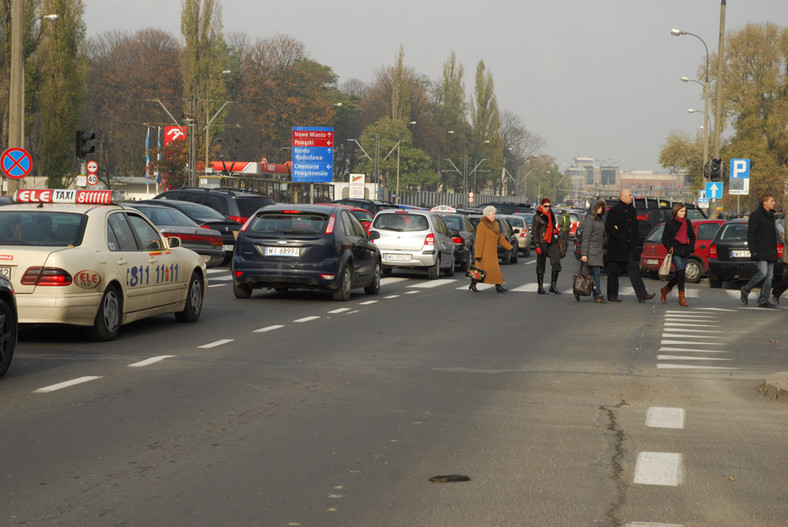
[779,287]
[632,265]
[552,252]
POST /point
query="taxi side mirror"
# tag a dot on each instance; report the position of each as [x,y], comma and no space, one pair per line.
[173,242]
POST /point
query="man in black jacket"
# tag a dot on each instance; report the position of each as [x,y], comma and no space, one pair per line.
[622,234]
[762,241]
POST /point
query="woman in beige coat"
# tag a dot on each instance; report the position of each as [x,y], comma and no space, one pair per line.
[488,237]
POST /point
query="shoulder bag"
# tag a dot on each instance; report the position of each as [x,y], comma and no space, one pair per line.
[664,269]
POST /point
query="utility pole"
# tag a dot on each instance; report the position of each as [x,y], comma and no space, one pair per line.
[16,91]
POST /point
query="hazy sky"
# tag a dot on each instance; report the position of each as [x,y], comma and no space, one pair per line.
[597,78]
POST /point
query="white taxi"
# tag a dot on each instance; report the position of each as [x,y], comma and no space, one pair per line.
[79,257]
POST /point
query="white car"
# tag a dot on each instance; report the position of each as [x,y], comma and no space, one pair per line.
[413,239]
[78,257]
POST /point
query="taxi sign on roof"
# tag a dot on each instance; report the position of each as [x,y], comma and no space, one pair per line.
[443,208]
[87,197]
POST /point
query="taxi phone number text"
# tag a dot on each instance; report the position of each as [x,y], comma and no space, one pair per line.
[140,275]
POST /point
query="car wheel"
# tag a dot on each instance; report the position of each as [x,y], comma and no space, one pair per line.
[8,328]
[242,290]
[194,297]
[715,281]
[434,271]
[450,269]
[374,286]
[107,323]
[693,271]
[343,293]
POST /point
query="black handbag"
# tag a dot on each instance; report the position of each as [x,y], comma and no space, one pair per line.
[475,274]
[582,283]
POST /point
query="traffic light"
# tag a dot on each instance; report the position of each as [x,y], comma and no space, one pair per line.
[82,146]
[706,169]
[716,170]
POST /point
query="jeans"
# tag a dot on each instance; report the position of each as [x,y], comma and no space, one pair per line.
[679,262]
[763,274]
[596,272]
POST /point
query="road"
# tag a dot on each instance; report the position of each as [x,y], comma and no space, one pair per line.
[296,410]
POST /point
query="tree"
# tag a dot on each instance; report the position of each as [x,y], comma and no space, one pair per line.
[519,145]
[452,110]
[486,141]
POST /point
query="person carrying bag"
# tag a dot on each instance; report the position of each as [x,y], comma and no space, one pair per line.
[582,282]
[664,269]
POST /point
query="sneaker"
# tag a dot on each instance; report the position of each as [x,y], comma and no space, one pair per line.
[767,304]
[600,300]
[744,297]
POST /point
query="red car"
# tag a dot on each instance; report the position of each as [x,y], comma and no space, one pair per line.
[362,215]
[697,264]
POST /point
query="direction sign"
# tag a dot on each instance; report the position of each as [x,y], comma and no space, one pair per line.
[92,178]
[714,190]
[16,163]
[313,154]
[739,183]
[92,167]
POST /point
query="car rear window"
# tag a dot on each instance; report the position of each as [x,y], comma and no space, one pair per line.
[452,222]
[283,223]
[514,221]
[401,222]
[248,205]
[734,231]
[362,215]
[50,229]
[167,216]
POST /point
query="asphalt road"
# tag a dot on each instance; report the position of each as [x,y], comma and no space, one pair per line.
[292,409]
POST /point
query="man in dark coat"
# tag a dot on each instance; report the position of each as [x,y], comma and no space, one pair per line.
[762,241]
[622,235]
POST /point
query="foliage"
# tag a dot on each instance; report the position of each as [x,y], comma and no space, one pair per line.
[174,164]
[486,141]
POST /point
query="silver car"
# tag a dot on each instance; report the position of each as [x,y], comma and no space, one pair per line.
[410,239]
[522,231]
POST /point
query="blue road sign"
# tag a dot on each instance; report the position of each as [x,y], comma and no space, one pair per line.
[714,190]
[740,169]
[313,154]
[16,163]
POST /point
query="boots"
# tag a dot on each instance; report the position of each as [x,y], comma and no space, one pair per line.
[499,288]
[665,292]
[553,282]
[682,300]
[472,287]
[540,282]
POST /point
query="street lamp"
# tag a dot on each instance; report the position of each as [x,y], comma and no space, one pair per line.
[705,121]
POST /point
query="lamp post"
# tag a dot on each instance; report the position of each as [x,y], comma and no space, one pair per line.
[705,121]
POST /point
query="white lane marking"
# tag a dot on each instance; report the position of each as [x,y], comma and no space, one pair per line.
[218,285]
[216,343]
[392,280]
[693,330]
[351,312]
[214,270]
[480,287]
[665,417]
[340,310]
[667,334]
[658,468]
[531,262]
[690,318]
[368,302]
[692,293]
[66,384]
[664,366]
[651,524]
[221,278]
[685,357]
[718,309]
[305,319]
[528,288]
[152,360]
[391,296]
[692,350]
[412,292]
[683,325]
[433,283]
[268,328]
[689,342]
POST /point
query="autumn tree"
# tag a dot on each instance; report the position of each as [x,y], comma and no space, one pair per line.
[519,145]
[452,111]
[486,141]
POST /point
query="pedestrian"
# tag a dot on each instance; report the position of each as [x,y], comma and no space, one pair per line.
[679,236]
[592,246]
[488,237]
[546,233]
[782,285]
[762,241]
[621,226]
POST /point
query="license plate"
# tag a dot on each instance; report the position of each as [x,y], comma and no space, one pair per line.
[228,248]
[282,251]
[740,254]
[652,262]
[6,271]
[398,257]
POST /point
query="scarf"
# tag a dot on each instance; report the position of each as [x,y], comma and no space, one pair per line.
[682,236]
[548,232]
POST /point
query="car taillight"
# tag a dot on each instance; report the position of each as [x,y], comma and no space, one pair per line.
[712,251]
[239,219]
[523,233]
[210,238]
[779,251]
[330,226]
[458,240]
[46,276]
[429,241]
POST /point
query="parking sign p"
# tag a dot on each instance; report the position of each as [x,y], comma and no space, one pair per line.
[740,169]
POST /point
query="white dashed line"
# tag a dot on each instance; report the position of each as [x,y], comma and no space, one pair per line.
[685,357]
[66,384]
[693,350]
[690,367]
[664,417]
[689,342]
[433,283]
[658,468]
[305,319]
[268,328]
[152,360]
[368,303]
[340,310]
[652,524]
[218,285]
[412,292]
[391,296]
[214,344]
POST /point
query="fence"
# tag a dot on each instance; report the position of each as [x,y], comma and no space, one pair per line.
[421,198]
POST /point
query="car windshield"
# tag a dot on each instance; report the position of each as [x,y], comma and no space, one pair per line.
[401,222]
[167,216]
[248,205]
[50,229]
[283,223]
[201,212]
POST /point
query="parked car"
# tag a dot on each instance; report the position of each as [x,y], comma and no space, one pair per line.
[463,238]
[521,231]
[319,247]
[172,222]
[529,220]
[207,218]
[414,239]
[8,323]
[729,253]
[236,205]
[697,263]
[505,255]
[372,205]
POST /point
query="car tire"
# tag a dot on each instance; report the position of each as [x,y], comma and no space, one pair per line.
[194,298]
[108,318]
[8,329]
[374,286]
[242,290]
[434,271]
[693,271]
[345,282]
[715,282]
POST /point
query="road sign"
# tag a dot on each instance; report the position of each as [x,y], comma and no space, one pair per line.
[470,194]
[92,178]
[313,154]
[16,163]
[92,167]
[714,190]
[739,182]
[470,198]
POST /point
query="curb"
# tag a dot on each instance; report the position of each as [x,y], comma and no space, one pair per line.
[775,387]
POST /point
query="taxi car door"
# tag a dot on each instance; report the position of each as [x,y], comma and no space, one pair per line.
[131,262]
[167,282]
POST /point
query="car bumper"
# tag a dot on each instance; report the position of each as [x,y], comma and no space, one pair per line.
[323,275]
[408,259]
[78,310]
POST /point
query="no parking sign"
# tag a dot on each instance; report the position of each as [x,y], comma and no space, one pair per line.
[16,163]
